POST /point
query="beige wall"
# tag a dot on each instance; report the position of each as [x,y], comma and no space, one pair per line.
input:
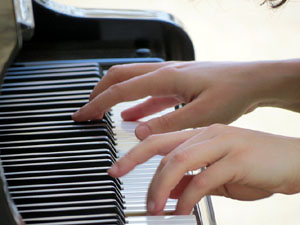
[238,30]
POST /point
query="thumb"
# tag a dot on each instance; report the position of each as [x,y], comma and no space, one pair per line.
[173,121]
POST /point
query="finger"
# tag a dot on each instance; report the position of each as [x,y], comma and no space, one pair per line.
[213,177]
[157,83]
[120,73]
[178,190]
[149,107]
[182,118]
[204,134]
[155,145]
[172,171]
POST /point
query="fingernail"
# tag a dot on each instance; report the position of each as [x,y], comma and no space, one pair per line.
[113,170]
[151,206]
[142,132]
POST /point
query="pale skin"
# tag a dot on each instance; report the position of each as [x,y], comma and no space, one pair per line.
[241,164]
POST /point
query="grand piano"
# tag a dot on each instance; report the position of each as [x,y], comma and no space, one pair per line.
[52,169]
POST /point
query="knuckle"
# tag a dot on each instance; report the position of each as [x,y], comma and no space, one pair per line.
[172,75]
[151,138]
[164,162]
[115,69]
[199,182]
[169,70]
[162,122]
[116,91]
[115,73]
[180,157]
[216,127]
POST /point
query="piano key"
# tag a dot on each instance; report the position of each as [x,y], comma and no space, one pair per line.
[162,220]
[65,126]
[27,66]
[60,179]
[58,73]
[66,190]
[107,219]
[44,118]
[83,141]
[58,147]
[65,185]
[62,123]
[54,134]
[49,88]
[42,99]
[48,83]
[44,94]
[25,109]
[35,155]
[57,159]
[98,210]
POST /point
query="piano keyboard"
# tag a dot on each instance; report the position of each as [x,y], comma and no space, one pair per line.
[55,168]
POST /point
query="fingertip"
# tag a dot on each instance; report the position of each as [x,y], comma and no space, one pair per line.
[127,116]
[76,116]
[142,131]
[154,208]
[113,171]
[184,211]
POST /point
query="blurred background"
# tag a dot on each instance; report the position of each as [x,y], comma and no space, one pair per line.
[238,30]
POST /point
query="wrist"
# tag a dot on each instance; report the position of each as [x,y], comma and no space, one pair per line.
[278,83]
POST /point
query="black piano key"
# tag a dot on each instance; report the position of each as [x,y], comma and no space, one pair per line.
[113,220]
[94,219]
[66,126]
[43,75]
[44,99]
[88,210]
[111,188]
[60,123]
[40,85]
[53,166]
[31,108]
[54,147]
[78,192]
[57,159]
[54,134]
[84,141]
[26,66]
[60,179]
[36,155]
[49,88]
[32,187]
[44,95]
[6,121]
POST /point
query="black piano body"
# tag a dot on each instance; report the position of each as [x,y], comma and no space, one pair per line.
[62,35]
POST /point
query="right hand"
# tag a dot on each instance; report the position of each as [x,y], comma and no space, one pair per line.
[218,92]
[240,164]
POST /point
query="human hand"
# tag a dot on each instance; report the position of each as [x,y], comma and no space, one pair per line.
[240,164]
[217,92]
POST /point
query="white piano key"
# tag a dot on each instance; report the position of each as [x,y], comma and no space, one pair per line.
[162,220]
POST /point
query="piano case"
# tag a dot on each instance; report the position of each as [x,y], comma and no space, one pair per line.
[53,170]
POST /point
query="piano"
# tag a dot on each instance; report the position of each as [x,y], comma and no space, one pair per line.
[52,169]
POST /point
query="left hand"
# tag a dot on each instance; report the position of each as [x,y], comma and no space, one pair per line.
[240,164]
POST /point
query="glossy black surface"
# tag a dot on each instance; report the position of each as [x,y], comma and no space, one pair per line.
[63,36]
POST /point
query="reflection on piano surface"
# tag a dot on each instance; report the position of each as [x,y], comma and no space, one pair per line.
[53,169]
